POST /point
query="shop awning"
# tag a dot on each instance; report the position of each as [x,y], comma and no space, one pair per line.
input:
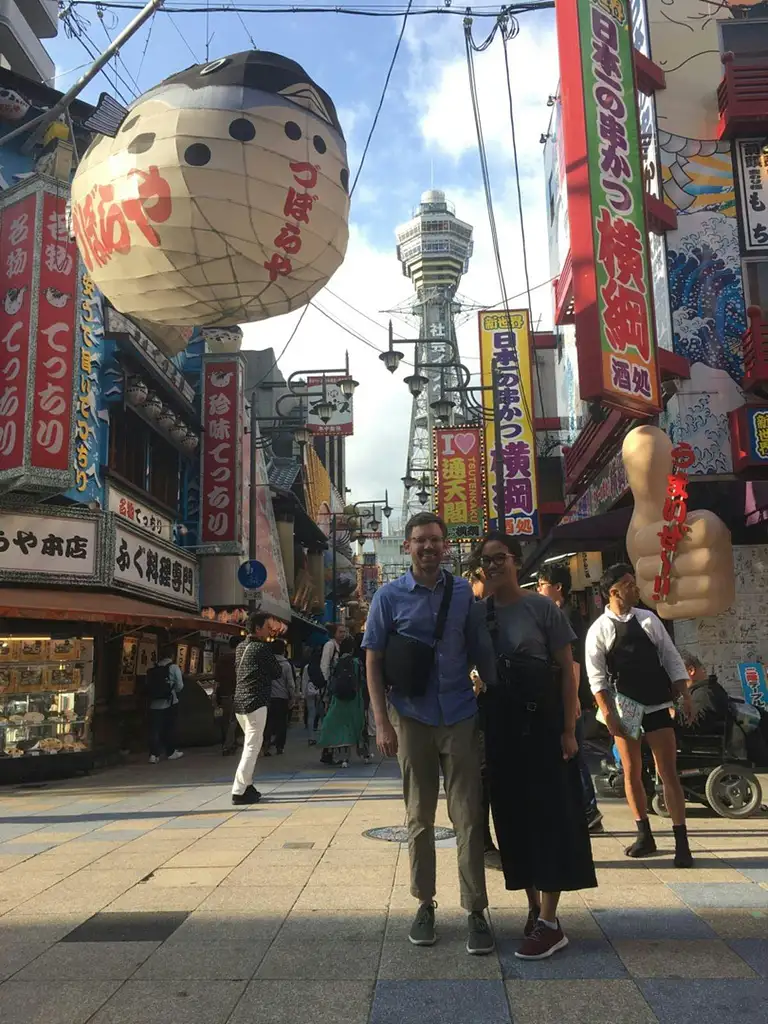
[595,533]
[92,606]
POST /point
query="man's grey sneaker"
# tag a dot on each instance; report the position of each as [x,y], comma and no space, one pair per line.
[480,941]
[422,931]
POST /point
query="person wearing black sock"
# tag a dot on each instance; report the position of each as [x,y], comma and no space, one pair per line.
[635,671]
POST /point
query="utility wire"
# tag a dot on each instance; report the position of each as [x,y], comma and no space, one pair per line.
[146,46]
[136,89]
[93,54]
[181,34]
[284,349]
[360,10]
[383,97]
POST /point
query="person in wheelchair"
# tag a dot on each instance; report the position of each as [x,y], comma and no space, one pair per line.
[713,711]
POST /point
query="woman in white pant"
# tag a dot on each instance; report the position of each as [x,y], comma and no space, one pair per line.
[255,668]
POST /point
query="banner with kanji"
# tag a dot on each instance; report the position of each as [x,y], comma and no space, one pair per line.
[505,351]
[460,498]
[613,306]
[222,455]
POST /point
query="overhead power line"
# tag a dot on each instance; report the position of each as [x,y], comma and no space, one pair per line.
[360,10]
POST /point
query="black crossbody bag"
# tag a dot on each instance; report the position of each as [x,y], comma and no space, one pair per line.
[408,663]
[530,685]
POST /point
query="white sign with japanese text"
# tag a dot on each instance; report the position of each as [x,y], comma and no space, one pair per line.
[139,514]
[752,179]
[157,569]
[47,544]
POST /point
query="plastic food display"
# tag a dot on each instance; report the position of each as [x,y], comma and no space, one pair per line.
[222,199]
[699,556]
[46,696]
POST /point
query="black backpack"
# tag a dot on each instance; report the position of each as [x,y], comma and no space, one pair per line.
[345,678]
[316,676]
[159,686]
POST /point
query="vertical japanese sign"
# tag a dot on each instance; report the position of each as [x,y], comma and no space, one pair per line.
[609,243]
[51,431]
[753,684]
[459,462]
[220,499]
[88,396]
[17,259]
[505,343]
[751,165]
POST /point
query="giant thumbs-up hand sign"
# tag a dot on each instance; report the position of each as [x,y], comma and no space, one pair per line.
[701,580]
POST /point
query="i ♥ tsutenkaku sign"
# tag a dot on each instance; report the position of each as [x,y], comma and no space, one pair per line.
[460,499]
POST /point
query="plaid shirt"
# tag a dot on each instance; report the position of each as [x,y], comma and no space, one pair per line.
[255,667]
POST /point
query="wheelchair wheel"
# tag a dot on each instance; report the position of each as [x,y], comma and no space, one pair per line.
[659,805]
[733,791]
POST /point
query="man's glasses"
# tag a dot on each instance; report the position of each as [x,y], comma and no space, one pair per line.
[496,560]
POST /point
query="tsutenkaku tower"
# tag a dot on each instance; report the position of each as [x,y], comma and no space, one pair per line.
[434,249]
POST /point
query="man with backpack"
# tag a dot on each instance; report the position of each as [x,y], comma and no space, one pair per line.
[164,684]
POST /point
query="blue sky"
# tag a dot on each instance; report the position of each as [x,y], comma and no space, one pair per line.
[425,134]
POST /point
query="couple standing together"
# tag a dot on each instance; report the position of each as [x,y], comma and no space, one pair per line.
[521,644]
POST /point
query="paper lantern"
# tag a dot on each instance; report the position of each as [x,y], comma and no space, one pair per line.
[222,199]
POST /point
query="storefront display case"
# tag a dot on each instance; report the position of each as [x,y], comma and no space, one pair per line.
[46,698]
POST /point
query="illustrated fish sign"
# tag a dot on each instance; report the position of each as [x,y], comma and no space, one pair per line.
[222,198]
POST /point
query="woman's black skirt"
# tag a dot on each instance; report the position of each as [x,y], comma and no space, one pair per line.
[537,803]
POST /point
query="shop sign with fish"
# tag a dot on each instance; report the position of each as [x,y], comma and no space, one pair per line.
[219,197]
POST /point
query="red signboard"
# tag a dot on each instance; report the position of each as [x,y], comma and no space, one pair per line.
[460,499]
[220,505]
[52,404]
[17,259]
[613,307]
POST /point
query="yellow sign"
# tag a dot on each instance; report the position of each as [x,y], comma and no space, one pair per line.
[505,340]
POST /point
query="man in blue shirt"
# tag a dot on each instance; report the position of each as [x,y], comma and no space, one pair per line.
[433,732]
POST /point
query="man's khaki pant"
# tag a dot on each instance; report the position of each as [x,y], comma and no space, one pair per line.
[423,750]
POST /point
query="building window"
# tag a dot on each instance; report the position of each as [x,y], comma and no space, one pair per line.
[128,437]
[164,471]
[745,38]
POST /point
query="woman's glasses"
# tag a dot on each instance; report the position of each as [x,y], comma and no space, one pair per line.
[496,560]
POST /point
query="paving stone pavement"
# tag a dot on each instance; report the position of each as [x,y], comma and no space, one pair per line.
[140,894]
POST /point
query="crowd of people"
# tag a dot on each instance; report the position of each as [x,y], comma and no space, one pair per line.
[436,649]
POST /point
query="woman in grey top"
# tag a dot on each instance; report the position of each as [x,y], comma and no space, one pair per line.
[523,654]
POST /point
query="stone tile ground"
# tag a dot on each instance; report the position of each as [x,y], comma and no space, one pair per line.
[140,894]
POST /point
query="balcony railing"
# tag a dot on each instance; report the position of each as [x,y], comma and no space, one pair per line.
[563,289]
[755,348]
[742,98]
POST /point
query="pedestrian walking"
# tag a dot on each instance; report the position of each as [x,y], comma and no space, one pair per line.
[330,655]
[224,683]
[636,673]
[164,684]
[255,669]
[554,582]
[280,703]
[416,648]
[344,720]
[531,711]
[312,690]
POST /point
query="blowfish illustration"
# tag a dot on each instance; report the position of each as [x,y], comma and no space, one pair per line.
[241,169]
[14,300]
[13,106]
[57,298]
[219,379]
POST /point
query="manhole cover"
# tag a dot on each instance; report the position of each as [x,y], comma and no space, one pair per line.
[399,834]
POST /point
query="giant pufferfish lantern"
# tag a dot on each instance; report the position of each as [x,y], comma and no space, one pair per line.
[219,197]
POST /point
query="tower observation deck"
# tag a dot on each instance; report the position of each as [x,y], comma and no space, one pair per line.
[434,249]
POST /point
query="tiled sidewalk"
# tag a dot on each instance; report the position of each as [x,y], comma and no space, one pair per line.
[140,895]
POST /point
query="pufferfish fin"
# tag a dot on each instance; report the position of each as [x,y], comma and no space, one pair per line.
[307,97]
[107,117]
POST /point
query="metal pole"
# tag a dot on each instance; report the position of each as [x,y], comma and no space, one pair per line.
[498,461]
[252,497]
[333,566]
[62,104]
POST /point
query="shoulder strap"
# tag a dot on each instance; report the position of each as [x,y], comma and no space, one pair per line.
[491,622]
[442,615]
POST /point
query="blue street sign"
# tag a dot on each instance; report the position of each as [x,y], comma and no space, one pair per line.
[252,575]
